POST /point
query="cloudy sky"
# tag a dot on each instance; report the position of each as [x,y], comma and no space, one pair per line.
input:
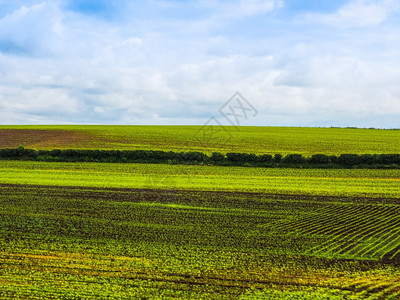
[297,62]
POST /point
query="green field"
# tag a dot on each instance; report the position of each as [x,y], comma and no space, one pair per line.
[99,243]
[168,231]
[206,139]
[334,182]
[148,231]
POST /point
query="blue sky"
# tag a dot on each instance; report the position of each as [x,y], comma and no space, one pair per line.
[299,63]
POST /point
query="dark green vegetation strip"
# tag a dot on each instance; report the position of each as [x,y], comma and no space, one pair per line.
[216,158]
[125,243]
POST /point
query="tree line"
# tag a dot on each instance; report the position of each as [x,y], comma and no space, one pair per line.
[194,157]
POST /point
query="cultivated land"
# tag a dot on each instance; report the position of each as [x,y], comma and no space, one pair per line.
[158,231]
[258,140]
[332,182]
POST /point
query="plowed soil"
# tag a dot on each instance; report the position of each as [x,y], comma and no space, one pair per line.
[31,138]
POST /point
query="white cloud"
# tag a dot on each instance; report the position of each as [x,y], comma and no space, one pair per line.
[84,69]
[253,7]
[240,8]
[31,30]
[358,13]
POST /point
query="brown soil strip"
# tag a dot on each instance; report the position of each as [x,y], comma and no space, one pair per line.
[41,139]
[257,195]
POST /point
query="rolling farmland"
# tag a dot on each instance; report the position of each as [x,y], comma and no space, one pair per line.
[160,243]
[206,139]
[167,231]
[333,182]
[273,172]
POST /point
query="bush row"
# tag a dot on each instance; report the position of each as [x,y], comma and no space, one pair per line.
[318,159]
[100,155]
[75,155]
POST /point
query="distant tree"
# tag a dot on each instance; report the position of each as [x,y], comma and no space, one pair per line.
[241,157]
[264,158]
[20,150]
[234,157]
[368,159]
[278,158]
[388,159]
[349,159]
[333,159]
[319,159]
[294,159]
[216,156]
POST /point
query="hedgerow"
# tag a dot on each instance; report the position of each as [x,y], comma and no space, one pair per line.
[345,160]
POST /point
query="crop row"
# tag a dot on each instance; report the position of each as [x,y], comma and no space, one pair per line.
[354,231]
[183,244]
[207,219]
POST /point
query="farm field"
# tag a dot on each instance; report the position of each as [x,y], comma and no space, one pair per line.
[98,243]
[207,139]
[334,182]
[273,172]
[98,230]
[172,231]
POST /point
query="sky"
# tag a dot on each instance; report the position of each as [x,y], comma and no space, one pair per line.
[295,62]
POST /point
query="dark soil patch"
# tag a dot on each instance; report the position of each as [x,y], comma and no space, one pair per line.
[40,139]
